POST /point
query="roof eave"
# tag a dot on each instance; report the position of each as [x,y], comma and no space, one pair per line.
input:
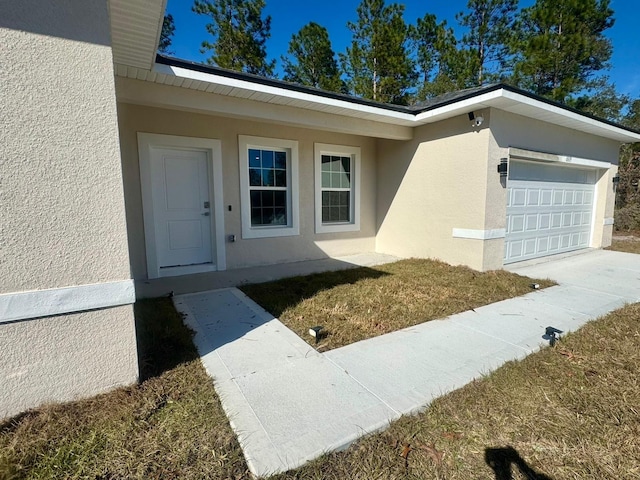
[498,96]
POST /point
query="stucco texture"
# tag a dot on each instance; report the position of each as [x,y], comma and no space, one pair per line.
[510,130]
[248,252]
[62,221]
[66,357]
[430,185]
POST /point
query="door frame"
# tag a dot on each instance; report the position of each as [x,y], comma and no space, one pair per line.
[213,148]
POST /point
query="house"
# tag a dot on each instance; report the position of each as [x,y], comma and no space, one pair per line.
[119,165]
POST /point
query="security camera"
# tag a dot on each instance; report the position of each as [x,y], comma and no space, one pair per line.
[475,121]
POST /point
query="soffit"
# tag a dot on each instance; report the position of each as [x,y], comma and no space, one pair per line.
[135,31]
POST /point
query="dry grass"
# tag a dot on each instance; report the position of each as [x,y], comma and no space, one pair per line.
[569,412]
[628,243]
[361,303]
[170,426]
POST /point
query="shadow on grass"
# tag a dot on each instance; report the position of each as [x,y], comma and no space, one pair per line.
[277,296]
[502,459]
[164,342]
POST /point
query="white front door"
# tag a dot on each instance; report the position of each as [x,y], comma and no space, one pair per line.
[181,207]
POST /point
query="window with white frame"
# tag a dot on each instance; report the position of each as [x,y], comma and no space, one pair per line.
[337,173]
[269,187]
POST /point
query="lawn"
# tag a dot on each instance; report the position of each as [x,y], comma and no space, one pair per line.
[627,243]
[564,413]
[361,303]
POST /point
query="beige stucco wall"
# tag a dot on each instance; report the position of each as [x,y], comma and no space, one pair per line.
[447,178]
[59,154]
[248,252]
[62,220]
[62,358]
[510,130]
[431,185]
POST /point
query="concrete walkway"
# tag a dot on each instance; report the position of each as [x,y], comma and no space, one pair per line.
[289,404]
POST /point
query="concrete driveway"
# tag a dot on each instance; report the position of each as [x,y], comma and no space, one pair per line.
[289,404]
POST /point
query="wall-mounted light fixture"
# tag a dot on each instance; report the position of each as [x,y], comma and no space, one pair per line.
[476,120]
[502,167]
[616,180]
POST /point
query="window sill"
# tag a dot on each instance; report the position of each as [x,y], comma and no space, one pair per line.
[270,232]
[337,227]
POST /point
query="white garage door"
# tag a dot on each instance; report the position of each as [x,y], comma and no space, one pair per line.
[549,209]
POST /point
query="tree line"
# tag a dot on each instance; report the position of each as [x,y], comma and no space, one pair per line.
[554,48]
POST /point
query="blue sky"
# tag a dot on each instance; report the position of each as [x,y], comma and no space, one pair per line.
[289,16]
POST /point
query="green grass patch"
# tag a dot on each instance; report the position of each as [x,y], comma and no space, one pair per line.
[361,303]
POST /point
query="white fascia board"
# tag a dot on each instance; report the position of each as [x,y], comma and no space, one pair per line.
[493,99]
[496,99]
[454,108]
[611,130]
[280,92]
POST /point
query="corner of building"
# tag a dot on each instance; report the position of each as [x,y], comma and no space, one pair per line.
[67,327]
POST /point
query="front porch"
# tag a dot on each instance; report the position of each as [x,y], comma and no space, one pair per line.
[200,282]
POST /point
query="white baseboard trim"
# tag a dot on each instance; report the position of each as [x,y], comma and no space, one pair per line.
[608,221]
[58,301]
[479,234]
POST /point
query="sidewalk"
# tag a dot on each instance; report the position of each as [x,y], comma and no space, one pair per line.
[289,404]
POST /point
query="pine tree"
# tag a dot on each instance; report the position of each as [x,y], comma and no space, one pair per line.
[490,24]
[311,59]
[443,67]
[601,99]
[559,46]
[166,35]
[378,64]
[240,33]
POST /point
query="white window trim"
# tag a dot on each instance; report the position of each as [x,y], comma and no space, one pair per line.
[293,227]
[341,150]
[213,148]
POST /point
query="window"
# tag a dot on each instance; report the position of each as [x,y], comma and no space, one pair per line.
[269,187]
[337,188]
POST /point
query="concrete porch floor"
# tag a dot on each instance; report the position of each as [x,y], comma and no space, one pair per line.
[201,282]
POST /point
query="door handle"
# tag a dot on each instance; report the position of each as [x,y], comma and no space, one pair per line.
[206,214]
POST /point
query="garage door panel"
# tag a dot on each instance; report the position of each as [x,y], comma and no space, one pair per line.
[518,197]
[533,197]
[588,198]
[530,246]
[546,217]
[517,224]
[532,222]
[543,244]
[545,221]
[558,196]
[515,249]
